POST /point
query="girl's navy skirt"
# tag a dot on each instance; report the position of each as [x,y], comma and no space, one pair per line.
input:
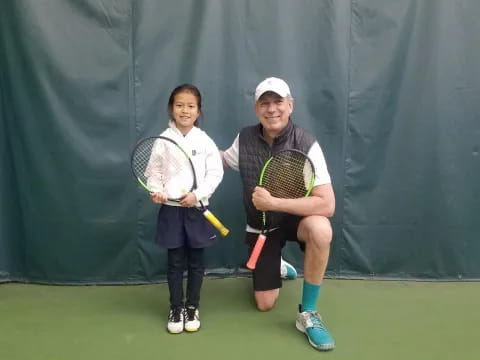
[180,226]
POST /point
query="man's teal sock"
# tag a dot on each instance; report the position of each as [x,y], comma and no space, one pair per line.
[310,295]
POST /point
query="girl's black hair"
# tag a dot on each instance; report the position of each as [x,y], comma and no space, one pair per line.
[192,89]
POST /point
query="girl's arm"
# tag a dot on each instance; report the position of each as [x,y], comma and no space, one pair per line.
[213,172]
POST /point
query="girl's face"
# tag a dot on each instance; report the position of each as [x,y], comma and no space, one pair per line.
[185,111]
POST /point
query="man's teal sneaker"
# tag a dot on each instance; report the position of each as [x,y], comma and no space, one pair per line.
[287,271]
[310,323]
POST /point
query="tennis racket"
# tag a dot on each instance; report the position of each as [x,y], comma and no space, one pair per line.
[161,165]
[289,174]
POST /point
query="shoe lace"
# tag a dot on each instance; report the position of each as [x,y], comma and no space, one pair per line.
[190,313]
[316,320]
[175,314]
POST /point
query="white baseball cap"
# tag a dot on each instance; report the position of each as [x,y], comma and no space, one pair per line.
[273,84]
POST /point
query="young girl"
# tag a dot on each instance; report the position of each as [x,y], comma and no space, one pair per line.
[181,228]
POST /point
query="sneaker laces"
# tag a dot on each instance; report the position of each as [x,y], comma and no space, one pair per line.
[175,314]
[190,313]
[316,320]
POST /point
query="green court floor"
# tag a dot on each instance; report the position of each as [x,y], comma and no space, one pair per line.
[369,320]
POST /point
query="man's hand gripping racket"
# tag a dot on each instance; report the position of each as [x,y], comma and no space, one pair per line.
[289,174]
[166,171]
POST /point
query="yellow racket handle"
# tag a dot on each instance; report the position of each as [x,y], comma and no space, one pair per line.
[216,223]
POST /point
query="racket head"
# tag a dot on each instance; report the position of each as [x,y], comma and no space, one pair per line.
[161,165]
[288,174]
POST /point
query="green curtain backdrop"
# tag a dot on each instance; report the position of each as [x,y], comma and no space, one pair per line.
[390,88]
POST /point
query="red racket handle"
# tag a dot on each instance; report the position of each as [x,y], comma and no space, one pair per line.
[252,262]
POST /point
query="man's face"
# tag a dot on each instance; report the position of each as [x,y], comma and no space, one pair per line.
[273,111]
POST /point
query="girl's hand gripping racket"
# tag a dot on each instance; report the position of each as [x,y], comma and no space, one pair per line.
[289,174]
[161,165]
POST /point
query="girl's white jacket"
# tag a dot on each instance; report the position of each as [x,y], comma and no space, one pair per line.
[205,158]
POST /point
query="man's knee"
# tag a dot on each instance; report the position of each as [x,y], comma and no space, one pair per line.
[316,230]
[265,300]
[263,305]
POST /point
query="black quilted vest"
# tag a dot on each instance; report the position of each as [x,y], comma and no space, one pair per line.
[254,151]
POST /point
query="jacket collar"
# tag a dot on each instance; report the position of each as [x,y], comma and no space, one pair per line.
[284,135]
[173,127]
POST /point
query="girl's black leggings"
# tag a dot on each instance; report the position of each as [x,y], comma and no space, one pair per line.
[192,260]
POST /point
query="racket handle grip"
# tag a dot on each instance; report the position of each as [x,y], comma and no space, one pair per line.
[216,223]
[257,249]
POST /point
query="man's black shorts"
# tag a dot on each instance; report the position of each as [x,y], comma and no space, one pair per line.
[266,275]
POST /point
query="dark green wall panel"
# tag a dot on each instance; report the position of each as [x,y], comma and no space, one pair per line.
[391,90]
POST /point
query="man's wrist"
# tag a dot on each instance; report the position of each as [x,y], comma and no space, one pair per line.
[276,204]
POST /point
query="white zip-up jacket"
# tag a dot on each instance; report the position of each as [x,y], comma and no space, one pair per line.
[205,158]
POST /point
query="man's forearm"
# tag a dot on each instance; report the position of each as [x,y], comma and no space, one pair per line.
[308,206]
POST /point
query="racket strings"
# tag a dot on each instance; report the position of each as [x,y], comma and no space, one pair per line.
[141,158]
[163,166]
[288,175]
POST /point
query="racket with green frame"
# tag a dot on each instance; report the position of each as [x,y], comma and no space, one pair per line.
[288,174]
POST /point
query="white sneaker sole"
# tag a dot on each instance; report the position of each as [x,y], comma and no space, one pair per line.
[192,329]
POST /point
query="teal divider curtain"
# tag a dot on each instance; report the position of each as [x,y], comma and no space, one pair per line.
[391,90]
